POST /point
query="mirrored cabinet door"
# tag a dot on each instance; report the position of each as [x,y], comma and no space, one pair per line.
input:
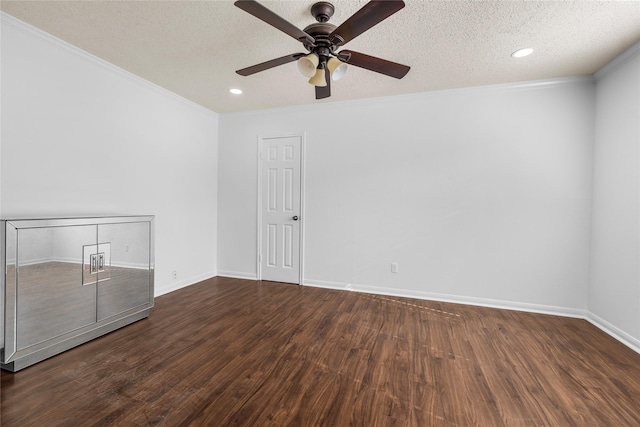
[55,295]
[124,280]
[65,281]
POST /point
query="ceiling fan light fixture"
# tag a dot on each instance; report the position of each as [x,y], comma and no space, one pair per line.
[318,79]
[337,68]
[307,65]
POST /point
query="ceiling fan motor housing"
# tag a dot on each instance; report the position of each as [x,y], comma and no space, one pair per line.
[320,33]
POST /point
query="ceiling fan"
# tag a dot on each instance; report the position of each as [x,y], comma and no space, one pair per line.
[324,63]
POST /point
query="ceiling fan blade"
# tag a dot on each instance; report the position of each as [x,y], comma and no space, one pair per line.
[372,63]
[324,91]
[371,14]
[271,18]
[269,64]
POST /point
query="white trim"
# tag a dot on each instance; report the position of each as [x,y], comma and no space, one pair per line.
[237,275]
[131,265]
[455,299]
[303,144]
[259,213]
[261,138]
[603,325]
[618,61]
[502,87]
[476,301]
[328,285]
[37,33]
[174,286]
[615,332]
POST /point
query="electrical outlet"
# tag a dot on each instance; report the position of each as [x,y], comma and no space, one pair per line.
[174,274]
[394,267]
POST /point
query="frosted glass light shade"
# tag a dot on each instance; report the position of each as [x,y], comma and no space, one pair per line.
[318,79]
[337,68]
[307,65]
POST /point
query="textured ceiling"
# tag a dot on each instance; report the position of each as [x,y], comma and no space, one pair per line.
[193,48]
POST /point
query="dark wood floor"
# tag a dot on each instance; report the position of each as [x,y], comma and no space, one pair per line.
[236,352]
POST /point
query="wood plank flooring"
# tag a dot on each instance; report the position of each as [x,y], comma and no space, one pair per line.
[230,352]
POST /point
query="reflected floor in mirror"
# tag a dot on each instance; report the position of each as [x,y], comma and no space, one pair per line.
[56,298]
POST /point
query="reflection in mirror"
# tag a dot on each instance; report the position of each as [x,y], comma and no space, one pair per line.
[50,272]
[129,276]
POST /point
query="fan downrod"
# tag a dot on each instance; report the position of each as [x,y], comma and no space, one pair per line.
[322,11]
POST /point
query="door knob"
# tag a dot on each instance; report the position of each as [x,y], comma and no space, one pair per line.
[295,217]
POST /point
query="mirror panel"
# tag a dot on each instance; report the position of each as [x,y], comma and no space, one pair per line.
[124,275]
[52,297]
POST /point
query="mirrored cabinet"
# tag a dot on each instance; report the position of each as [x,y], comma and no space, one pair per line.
[67,281]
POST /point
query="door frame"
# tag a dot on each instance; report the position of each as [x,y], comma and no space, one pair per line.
[261,138]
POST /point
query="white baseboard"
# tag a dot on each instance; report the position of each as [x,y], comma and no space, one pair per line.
[600,323]
[615,332]
[327,285]
[456,299]
[175,285]
[238,275]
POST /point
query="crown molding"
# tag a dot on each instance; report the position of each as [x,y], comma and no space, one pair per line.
[618,61]
[495,88]
[9,21]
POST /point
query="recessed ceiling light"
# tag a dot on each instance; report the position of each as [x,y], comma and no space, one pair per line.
[521,53]
[235,91]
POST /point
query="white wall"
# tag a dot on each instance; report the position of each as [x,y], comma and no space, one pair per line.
[481,195]
[614,287]
[81,137]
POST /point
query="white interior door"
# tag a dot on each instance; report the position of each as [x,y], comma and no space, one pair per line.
[279,256]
